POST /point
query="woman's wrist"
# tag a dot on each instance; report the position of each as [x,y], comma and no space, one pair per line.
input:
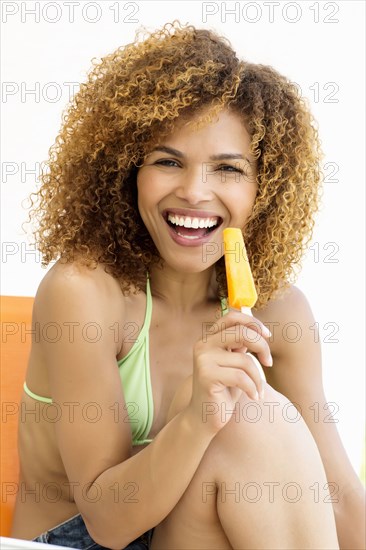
[196,428]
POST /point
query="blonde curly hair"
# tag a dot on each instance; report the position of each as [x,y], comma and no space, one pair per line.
[87,203]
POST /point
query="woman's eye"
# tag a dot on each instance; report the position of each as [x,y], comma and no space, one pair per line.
[229,168]
[167,162]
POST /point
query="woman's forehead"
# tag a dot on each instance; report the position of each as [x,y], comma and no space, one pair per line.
[225,134]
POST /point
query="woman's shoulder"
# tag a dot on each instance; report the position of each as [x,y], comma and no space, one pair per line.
[286,315]
[285,302]
[74,285]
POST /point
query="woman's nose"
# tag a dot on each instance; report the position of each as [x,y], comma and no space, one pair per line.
[193,187]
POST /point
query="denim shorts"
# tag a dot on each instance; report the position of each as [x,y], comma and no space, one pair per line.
[73,533]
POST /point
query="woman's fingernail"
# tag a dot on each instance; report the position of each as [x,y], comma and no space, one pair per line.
[256,396]
[270,361]
[266,331]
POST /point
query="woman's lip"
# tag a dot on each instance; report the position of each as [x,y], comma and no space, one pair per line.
[190,242]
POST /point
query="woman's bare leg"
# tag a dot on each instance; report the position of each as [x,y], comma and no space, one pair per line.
[256,487]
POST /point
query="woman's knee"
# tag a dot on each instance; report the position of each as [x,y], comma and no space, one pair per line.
[259,417]
[270,428]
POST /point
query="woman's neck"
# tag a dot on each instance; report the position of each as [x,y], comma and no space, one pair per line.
[183,292]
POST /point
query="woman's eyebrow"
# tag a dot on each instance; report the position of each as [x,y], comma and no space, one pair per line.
[221,156]
[230,156]
[168,150]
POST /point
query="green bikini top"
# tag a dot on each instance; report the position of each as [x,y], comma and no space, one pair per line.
[134,371]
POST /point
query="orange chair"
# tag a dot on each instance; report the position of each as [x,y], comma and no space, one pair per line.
[16,319]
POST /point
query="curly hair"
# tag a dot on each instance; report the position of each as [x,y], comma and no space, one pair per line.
[87,202]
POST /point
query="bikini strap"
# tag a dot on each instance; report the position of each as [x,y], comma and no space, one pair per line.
[148,303]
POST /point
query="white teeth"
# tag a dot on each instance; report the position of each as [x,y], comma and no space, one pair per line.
[193,223]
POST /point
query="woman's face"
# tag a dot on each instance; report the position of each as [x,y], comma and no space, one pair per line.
[193,184]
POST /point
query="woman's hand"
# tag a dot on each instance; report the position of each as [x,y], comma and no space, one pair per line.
[222,370]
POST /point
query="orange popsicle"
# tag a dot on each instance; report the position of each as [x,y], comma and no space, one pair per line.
[241,289]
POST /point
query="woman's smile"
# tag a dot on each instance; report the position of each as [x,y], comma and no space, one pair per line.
[191,228]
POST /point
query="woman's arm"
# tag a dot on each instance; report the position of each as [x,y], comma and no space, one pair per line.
[297,374]
[119,496]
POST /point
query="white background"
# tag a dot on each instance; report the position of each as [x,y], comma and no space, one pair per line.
[319,45]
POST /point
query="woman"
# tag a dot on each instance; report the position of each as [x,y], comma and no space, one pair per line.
[145,435]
